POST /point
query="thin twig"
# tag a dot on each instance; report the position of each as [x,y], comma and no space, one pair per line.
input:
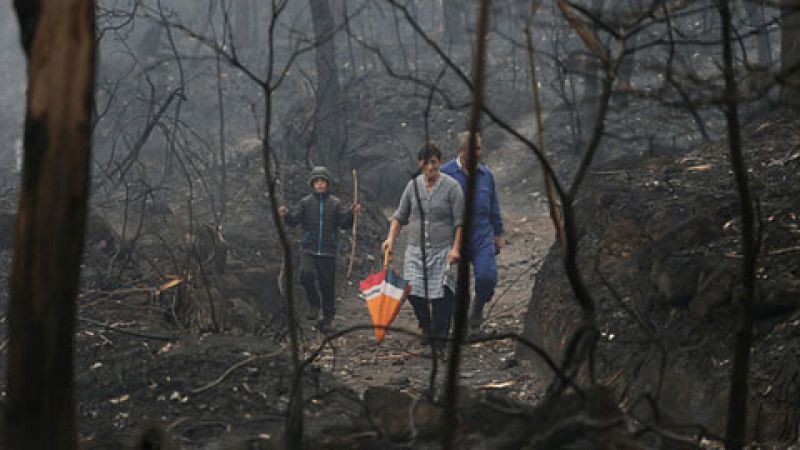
[355,227]
[231,369]
[129,332]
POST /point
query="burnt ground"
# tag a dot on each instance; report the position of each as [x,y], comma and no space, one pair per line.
[147,364]
[126,380]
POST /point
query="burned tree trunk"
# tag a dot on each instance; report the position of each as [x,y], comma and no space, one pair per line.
[59,41]
[329,115]
[736,430]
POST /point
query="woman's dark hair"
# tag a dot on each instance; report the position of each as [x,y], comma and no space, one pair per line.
[428,151]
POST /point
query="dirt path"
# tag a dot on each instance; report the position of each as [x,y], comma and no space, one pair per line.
[403,361]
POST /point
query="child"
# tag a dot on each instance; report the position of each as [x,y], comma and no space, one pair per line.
[320,214]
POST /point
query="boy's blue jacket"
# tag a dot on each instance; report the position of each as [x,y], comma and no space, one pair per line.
[321,215]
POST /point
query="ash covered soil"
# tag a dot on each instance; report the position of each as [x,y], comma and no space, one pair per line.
[145,369]
[225,390]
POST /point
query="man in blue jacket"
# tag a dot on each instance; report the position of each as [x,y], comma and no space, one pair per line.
[486,238]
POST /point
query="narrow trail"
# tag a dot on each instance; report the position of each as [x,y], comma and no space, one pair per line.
[403,361]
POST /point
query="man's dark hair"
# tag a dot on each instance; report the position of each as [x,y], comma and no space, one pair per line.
[428,151]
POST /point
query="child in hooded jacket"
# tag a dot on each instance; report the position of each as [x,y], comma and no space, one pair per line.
[321,214]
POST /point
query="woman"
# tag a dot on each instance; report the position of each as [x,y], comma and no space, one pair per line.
[432,205]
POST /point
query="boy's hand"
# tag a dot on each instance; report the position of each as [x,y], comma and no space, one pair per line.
[282,211]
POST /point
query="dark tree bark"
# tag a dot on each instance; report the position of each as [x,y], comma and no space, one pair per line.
[790,53]
[736,429]
[58,37]
[329,114]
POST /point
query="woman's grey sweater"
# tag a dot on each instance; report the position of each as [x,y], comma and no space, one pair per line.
[443,206]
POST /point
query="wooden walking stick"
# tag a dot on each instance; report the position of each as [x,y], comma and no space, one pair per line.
[280,199]
[355,226]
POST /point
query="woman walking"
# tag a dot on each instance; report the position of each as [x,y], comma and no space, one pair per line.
[432,205]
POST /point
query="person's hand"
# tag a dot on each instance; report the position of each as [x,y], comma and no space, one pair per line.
[387,246]
[499,242]
[453,256]
[357,208]
[282,211]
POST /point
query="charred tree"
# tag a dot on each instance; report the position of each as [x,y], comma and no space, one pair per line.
[329,114]
[736,429]
[58,38]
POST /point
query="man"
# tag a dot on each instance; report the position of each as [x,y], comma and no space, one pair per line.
[321,214]
[486,238]
[432,205]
